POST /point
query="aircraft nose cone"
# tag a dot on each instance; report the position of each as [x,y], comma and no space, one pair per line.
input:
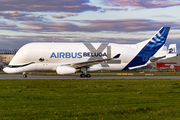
[6,70]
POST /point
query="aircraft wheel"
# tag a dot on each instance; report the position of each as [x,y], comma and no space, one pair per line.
[24,76]
[88,75]
[82,75]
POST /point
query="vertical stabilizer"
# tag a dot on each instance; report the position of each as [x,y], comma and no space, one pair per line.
[149,48]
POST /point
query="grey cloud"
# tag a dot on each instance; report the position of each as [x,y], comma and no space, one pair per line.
[114,9]
[15,42]
[47,5]
[11,15]
[5,26]
[140,4]
[164,16]
[64,15]
[121,25]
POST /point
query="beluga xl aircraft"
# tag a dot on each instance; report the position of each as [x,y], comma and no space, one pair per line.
[69,58]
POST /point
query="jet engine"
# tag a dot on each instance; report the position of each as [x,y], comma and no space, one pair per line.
[95,68]
[62,70]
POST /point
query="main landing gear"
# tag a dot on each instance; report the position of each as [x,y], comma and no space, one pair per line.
[83,75]
[24,75]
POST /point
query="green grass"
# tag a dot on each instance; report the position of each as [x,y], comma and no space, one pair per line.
[90,99]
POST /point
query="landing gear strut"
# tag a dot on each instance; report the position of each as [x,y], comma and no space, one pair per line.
[24,75]
[83,75]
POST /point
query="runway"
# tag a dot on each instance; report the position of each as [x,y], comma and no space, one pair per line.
[45,77]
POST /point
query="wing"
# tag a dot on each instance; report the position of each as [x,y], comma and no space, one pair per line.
[92,62]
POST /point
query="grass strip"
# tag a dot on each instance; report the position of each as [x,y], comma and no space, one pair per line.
[90,99]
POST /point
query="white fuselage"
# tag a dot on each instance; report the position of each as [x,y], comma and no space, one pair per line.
[47,56]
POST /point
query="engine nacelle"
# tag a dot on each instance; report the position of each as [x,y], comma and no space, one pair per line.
[62,70]
[95,68]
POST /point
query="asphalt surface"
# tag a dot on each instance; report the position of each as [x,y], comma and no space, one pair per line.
[45,77]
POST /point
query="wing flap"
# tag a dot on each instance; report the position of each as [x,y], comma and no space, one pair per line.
[92,62]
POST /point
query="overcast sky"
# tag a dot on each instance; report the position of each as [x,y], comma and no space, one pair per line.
[117,21]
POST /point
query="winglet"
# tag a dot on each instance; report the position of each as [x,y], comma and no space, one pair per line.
[172,49]
[117,56]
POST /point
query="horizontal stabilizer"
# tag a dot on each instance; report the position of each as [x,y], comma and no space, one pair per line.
[153,59]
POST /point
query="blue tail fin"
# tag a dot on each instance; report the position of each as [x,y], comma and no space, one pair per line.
[158,40]
[149,49]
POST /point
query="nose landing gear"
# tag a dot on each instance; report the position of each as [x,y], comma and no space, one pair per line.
[24,75]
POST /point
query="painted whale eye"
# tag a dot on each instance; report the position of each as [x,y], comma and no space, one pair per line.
[41,59]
